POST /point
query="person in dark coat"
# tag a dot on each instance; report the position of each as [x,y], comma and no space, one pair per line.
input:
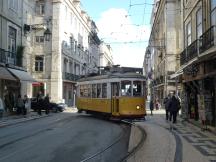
[174,108]
[47,103]
[166,104]
[151,106]
[39,102]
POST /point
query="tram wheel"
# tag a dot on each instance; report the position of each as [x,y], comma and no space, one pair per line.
[79,111]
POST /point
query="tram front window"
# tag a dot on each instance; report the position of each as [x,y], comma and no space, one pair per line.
[137,88]
[126,88]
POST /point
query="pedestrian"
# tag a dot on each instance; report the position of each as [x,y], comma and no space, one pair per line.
[47,103]
[151,106]
[174,107]
[1,108]
[39,102]
[20,105]
[27,104]
[157,104]
[166,104]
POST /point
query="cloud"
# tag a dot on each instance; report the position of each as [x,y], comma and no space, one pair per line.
[127,40]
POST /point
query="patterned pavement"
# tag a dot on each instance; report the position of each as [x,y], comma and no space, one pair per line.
[204,142]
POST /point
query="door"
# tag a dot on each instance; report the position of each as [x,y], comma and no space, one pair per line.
[115,98]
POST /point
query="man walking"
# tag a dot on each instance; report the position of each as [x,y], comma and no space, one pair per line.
[174,108]
[166,104]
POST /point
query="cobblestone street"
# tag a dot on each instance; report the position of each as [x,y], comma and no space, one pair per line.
[185,142]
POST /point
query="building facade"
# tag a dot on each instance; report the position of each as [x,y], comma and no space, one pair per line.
[13,76]
[161,57]
[72,50]
[198,60]
[106,58]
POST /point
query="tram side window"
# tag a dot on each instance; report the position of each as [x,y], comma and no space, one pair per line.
[89,90]
[137,88]
[85,91]
[81,91]
[126,88]
[104,90]
[94,90]
[99,90]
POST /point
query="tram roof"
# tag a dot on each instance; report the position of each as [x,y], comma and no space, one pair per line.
[113,75]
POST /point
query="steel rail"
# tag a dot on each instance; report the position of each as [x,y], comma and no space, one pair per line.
[139,145]
[129,154]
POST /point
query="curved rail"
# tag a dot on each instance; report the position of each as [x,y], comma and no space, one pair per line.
[140,143]
[129,154]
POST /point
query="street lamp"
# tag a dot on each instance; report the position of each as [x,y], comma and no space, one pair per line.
[47,32]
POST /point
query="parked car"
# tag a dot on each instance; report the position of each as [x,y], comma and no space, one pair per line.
[58,107]
[54,107]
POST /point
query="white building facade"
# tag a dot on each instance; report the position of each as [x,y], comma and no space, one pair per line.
[72,51]
[106,57]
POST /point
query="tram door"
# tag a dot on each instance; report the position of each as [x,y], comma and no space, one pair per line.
[115,98]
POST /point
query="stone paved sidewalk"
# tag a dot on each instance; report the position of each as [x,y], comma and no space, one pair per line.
[186,142]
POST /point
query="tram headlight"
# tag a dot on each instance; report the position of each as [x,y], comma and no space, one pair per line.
[137,107]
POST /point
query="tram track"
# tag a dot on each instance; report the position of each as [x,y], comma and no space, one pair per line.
[116,141]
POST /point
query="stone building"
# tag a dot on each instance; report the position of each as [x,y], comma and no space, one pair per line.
[106,58]
[161,57]
[198,60]
[71,51]
[13,75]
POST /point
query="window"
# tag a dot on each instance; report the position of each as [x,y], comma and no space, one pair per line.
[13,4]
[199,23]
[213,12]
[39,62]
[85,90]
[40,8]
[137,88]
[126,88]
[99,90]
[12,39]
[81,90]
[104,90]
[11,44]
[94,90]
[39,39]
[188,33]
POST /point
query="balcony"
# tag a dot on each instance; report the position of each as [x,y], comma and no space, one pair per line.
[208,39]
[183,57]
[192,50]
[70,77]
[195,49]
[7,57]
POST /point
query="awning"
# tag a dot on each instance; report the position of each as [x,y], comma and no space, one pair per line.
[5,74]
[176,74]
[22,75]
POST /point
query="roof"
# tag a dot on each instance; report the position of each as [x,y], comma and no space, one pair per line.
[113,75]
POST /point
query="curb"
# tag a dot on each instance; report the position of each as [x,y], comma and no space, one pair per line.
[20,120]
[139,145]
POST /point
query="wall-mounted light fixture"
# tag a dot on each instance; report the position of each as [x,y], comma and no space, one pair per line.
[47,32]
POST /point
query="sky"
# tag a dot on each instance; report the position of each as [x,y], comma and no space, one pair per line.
[123,24]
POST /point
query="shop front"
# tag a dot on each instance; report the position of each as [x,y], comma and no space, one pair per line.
[199,91]
[9,89]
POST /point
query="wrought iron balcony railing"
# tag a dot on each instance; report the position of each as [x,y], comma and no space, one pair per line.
[207,39]
[7,57]
[183,57]
[70,77]
[192,50]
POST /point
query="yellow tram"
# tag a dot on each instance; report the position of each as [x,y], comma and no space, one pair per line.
[116,95]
